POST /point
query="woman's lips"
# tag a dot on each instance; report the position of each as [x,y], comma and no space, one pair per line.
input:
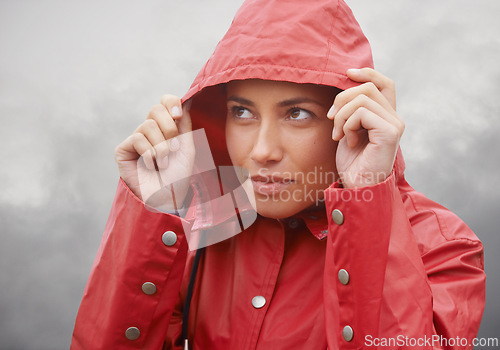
[270,185]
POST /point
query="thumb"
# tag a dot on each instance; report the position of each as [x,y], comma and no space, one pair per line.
[185,125]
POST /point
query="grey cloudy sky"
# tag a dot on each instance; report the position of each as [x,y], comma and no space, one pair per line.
[77,77]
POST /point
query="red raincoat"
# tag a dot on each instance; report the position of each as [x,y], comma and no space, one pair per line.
[400,270]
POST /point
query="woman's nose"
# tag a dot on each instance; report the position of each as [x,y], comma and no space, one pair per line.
[267,146]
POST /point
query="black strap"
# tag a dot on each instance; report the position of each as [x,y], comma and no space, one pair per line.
[189,294]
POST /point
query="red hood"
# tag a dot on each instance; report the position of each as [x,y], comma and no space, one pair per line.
[296,41]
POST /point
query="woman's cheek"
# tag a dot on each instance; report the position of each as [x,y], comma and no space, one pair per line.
[235,146]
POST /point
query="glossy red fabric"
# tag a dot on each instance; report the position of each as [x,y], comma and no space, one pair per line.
[416,270]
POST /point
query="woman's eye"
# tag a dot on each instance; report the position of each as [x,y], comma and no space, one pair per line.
[241,113]
[299,114]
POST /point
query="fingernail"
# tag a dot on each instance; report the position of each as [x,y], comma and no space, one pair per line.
[176,111]
[331,112]
[353,70]
[174,144]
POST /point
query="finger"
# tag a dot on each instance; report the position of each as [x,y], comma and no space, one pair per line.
[361,101]
[132,148]
[185,124]
[173,105]
[368,89]
[384,84]
[162,151]
[143,148]
[166,123]
[151,130]
[379,130]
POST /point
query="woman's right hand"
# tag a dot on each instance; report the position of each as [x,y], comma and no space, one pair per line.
[161,147]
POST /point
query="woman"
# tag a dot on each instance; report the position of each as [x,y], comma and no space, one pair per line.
[364,261]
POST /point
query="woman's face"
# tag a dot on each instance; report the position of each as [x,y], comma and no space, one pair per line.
[279,132]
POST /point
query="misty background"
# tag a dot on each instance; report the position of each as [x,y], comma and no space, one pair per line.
[76,78]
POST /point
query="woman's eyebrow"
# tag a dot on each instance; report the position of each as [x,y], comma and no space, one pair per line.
[299,100]
[284,103]
[241,100]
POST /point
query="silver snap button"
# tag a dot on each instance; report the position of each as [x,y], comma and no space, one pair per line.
[132,333]
[149,288]
[343,276]
[258,301]
[338,217]
[347,333]
[169,238]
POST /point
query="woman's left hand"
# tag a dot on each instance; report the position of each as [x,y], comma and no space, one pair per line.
[367,127]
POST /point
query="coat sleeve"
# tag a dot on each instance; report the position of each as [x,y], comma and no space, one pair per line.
[135,280]
[401,271]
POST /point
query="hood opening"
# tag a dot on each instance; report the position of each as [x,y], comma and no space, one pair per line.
[284,40]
